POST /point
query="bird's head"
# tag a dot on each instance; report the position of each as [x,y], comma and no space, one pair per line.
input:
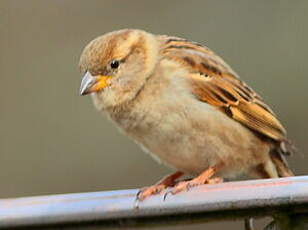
[116,66]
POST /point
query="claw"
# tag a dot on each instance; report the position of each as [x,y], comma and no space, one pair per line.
[166,194]
[159,187]
[136,203]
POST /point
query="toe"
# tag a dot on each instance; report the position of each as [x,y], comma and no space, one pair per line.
[180,187]
[215,180]
[149,191]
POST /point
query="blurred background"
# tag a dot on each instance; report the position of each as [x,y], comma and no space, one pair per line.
[54,141]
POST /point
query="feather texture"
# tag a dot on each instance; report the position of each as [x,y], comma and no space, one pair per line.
[155,96]
[215,83]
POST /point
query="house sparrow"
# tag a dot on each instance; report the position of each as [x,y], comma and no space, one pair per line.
[185,106]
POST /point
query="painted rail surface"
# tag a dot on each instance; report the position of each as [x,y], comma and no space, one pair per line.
[228,200]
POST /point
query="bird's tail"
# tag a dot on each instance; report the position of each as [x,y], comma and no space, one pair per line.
[278,158]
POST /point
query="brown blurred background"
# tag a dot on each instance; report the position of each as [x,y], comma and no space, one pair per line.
[53,141]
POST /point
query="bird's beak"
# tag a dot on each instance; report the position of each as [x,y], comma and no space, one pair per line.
[90,84]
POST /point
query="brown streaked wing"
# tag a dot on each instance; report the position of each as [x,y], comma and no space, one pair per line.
[215,83]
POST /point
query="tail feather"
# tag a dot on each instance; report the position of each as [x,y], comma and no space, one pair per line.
[278,158]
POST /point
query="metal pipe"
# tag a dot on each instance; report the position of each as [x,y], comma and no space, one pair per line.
[119,208]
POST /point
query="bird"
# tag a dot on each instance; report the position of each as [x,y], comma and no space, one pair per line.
[185,106]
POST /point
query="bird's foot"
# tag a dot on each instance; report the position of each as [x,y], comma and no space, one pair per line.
[186,185]
[203,178]
[159,187]
[149,191]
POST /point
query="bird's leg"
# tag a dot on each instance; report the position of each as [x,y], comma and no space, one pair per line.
[159,186]
[206,177]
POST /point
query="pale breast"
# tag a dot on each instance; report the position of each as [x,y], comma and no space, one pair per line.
[190,135]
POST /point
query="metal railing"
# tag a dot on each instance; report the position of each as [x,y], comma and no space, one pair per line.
[231,200]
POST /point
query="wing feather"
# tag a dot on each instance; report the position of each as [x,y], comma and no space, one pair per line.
[215,83]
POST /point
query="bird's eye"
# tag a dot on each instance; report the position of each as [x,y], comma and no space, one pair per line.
[114,64]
